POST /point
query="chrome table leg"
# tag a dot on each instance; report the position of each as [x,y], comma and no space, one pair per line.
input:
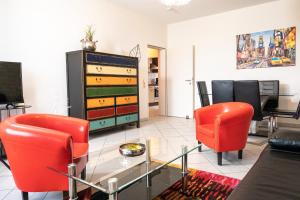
[72,182]
[112,187]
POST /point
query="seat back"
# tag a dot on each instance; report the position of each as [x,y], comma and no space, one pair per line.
[248,92]
[202,90]
[222,91]
[297,114]
[271,89]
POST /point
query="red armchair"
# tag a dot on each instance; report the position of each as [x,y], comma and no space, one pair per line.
[224,127]
[35,142]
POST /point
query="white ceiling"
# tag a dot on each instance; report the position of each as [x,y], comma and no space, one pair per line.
[197,8]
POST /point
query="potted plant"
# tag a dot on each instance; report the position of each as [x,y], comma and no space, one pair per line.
[87,42]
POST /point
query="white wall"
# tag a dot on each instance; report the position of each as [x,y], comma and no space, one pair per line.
[38,33]
[214,37]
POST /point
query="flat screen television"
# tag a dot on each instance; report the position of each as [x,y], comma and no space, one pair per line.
[11,90]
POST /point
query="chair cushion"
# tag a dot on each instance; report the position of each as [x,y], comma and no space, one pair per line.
[80,150]
[287,140]
[207,129]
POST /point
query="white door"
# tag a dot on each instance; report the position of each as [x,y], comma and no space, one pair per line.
[180,81]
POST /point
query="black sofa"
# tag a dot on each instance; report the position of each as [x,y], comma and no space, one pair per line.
[275,175]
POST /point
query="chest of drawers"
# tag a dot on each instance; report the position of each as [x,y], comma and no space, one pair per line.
[103,88]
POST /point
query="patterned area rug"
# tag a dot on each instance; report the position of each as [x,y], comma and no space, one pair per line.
[200,185]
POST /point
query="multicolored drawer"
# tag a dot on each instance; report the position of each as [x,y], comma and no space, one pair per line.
[100,113]
[109,59]
[122,110]
[127,119]
[100,102]
[103,88]
[126,100]
[110,80]
[110,91]
[99,69]
[100,124]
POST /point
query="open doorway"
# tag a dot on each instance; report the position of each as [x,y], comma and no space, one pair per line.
[156,81]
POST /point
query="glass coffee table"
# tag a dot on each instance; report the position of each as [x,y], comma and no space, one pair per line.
[110,173]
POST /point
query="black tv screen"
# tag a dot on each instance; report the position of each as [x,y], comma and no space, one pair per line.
[11,90]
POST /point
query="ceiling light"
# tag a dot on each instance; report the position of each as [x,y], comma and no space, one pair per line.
[175,3]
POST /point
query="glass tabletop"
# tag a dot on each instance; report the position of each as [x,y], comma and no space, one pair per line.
[111,172]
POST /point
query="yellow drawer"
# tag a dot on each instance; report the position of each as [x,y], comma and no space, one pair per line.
[100,102]
[109,80]
[98,69]
[126,100]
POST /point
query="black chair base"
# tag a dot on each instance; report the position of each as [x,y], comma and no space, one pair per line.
[83,174]
[219,158]
[220,155]
[200,147]
[240,154]
[25,196]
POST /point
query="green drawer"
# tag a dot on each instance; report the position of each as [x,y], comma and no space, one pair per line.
[127,118]
[110,91]
[99,124]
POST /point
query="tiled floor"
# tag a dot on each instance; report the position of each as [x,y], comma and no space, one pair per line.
[176,131]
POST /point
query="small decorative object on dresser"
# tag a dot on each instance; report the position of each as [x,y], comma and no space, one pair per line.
[87,42]
[103,88]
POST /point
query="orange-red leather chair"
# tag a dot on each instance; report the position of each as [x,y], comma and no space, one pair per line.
[36,142]
[224,127]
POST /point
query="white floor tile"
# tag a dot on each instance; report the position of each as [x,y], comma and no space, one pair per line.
[4,193]
[16,195]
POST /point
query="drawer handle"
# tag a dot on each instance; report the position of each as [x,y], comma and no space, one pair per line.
[102,123]
[101,101]
[98,79]
[99,69]
[129,70]
[128,80]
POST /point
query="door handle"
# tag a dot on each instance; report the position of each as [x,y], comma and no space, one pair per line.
[189,81]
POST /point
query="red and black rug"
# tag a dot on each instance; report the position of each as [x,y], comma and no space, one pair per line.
[200,185]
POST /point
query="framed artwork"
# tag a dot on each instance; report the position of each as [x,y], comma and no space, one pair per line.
[273,48]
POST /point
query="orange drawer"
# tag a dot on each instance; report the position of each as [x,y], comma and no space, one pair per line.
[100,102]
[110,80]
[126,100]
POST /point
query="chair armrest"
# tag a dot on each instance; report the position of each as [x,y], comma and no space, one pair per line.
[38,137]
[205,115]
[77,128]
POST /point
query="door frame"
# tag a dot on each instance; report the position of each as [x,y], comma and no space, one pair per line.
[166,72]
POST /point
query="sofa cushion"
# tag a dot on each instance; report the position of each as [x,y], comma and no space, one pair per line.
[287,140]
